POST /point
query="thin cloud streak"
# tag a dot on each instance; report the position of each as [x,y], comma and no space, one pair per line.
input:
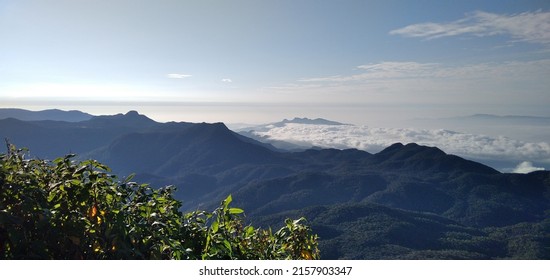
[178,76]
[533,27]
[383,70]
[392,66]
[413,70]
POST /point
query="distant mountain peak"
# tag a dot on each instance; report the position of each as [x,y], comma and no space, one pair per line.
[429,159]
[407,150]
[392,148]
[133,113]
[136,116]
[317,121]
[131,118]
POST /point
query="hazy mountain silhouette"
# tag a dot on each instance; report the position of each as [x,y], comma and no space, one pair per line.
[52,115]
[320,121]
[53,138]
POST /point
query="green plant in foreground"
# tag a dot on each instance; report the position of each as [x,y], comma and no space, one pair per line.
[64,209]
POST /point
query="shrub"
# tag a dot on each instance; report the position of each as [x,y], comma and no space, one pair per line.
[64,209]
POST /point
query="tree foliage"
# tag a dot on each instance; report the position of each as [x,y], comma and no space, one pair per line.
[64,209]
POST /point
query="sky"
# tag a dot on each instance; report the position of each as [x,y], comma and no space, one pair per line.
[361,62]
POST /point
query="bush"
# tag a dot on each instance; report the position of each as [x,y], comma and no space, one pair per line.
[64,209]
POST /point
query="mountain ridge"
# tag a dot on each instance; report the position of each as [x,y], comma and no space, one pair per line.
[50,114]
[308,121]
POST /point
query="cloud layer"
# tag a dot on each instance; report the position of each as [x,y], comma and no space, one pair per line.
[472,146]
[533,27]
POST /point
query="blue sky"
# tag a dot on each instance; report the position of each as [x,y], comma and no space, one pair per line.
[258,61]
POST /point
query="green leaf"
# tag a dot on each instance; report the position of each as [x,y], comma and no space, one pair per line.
[227,245]
[215,226]
[129,178]
[249,231]
[109,198]
[51,197]
[235,210]
[208,238]
[77,172]
[228,200]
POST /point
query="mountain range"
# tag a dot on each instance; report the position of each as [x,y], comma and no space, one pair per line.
[407,201]
[52,114]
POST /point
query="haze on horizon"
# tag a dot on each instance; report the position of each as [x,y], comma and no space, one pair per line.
[362,62]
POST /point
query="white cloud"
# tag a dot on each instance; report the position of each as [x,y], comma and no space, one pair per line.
[397,70]
[480,147]
[397,66]
[383,70]
[526,167]
[225,80]
[508,82]
[531,27]
[178,76]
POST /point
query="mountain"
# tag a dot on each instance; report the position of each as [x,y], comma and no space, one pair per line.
[409,177]
[318,121]
[430,160]
[440,207]
[205,147]
[132,119]
[49,139]
[372,231]
[171,153]
[52,115]
[407,201]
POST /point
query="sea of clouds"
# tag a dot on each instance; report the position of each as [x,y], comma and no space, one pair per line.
[520,155]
